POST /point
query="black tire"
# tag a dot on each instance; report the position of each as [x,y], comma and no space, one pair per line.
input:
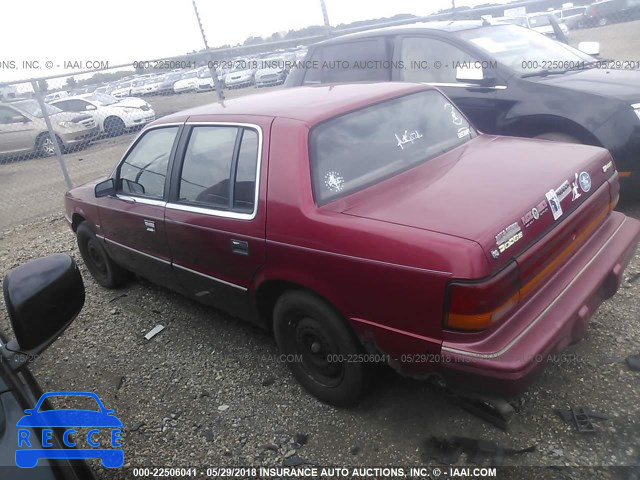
[104,270]
[558,137]
[306,326]
[114,126]
[45,147]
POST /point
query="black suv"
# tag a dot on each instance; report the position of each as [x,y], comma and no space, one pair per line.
[507,79]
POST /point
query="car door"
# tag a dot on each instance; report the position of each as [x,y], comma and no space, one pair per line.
[132,220]
[431,60]
[16,131]
[215,217]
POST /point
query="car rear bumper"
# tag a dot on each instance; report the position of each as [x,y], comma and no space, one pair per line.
[556,316]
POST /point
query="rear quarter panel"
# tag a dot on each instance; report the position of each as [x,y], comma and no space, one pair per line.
[388,280]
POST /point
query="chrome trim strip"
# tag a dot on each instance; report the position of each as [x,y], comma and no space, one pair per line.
[143,200]
[161,260]
[342,255]
[211,212]
[466,85]
[542,314]
[209,277]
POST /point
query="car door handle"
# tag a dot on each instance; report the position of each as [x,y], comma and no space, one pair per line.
[239,247]
[126,199]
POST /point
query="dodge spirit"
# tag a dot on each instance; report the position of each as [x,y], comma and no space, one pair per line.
[367,222]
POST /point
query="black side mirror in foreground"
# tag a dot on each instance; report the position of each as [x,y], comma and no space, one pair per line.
[105,188]
[42,297]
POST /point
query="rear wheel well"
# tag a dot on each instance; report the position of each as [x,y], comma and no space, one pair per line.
[534,126]
[76,220]
[269,292]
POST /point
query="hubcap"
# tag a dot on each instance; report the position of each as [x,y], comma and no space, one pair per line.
[47,146]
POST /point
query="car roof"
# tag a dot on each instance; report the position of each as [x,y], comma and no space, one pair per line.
[441,26]
[310,104]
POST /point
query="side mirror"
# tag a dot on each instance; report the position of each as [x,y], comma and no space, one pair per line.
[474,74]
[590,48]
[42,297]
[105,188]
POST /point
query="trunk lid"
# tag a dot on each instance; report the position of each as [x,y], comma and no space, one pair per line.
[504,193]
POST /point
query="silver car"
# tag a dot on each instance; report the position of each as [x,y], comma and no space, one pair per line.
[23,129]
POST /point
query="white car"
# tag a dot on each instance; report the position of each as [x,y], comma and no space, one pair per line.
[536,21]
[127,89]
[189,82]
[112,115]
[239,78]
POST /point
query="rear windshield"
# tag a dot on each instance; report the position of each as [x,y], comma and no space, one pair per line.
[364,147]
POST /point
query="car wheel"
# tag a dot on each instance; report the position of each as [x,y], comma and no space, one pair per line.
[45,146]
[603,21]
[104,270]
[114,126]
[317,344]
[558,137]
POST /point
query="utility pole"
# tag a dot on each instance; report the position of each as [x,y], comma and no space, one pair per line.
[213,70]
[325,15]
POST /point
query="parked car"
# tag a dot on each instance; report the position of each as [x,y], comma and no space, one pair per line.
[188,82]
[611,11]
[166,82]
[37,322]
[391,230]
[510,81]
[572,17]
[112,116]
[24,130]
[239,77]
[539,22]
[55,95]
[273,71]
[126,89]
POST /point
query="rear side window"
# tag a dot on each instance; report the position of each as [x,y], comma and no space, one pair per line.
[144,169]
[220,168]
[364,147]
[365,60]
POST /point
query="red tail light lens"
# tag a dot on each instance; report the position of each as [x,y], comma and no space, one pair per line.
[479,304]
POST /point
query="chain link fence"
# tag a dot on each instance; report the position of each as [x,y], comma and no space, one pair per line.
[63,131]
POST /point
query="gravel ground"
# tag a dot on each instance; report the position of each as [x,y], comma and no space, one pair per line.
[209,390]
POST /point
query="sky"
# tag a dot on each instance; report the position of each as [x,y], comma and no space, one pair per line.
[122,31]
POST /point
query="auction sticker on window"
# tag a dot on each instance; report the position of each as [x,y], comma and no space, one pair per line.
[554,204]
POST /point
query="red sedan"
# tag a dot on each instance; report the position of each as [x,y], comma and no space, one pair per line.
[366,223]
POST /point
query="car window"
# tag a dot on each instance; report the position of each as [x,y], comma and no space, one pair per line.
[419,54]
[353,151]
[210,177]
[9,115]
[539,21]
[144,169]
[365,60]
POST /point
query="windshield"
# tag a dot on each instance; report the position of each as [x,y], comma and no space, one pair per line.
[102,98]
[539,21]
[33,108]
[361,148]
[190,75]
[511,45]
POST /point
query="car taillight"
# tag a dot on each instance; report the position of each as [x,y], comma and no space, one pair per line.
[476,305]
